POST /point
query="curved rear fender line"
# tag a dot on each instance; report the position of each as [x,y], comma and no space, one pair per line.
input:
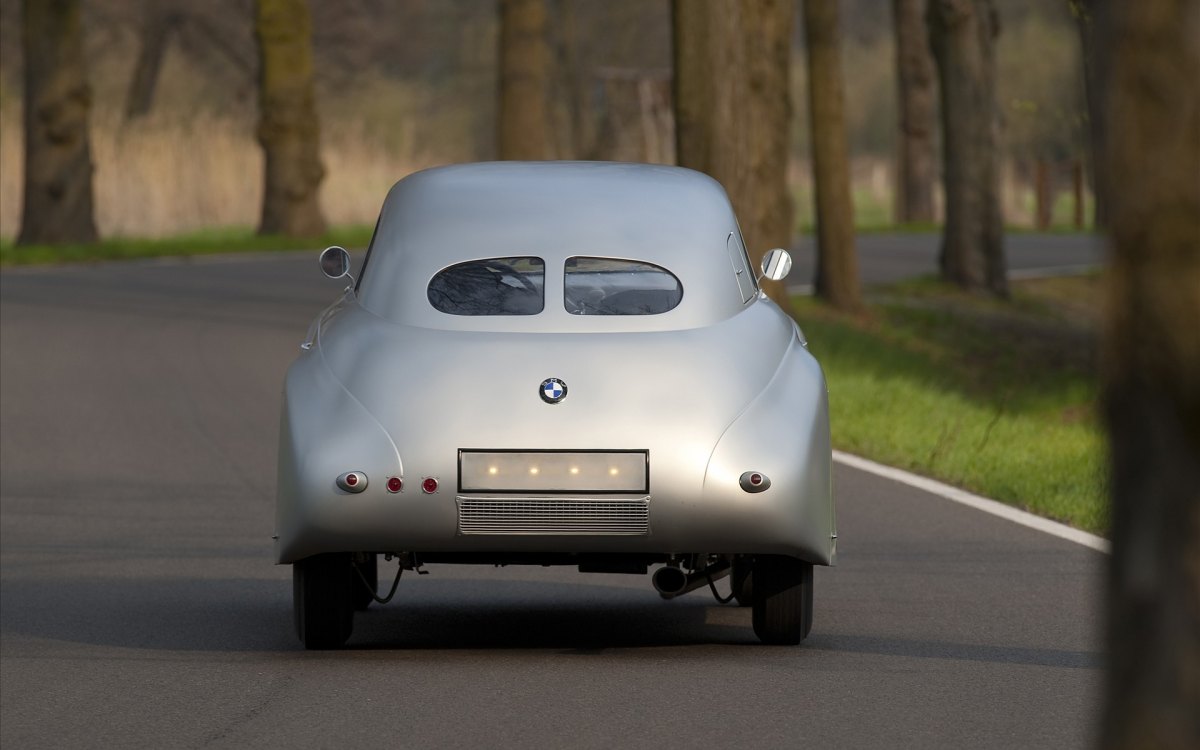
[332,374]
[784,433]
[331,433]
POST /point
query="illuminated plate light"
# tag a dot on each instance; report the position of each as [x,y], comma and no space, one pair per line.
[553,471]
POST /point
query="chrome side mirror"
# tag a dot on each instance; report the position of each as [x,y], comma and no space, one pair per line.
[335,262]
[776,264]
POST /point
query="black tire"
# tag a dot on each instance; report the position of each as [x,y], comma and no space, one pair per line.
[783,599]
[321,597]
[741,580]
[363,595]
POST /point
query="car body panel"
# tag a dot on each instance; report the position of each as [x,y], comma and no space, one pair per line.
[711,389]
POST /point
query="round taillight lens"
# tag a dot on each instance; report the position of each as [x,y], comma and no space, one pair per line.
[756,479]
[394,484]
[429,486]
[352,479]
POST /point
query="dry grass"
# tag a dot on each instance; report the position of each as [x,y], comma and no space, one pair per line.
[160,178]
[164,177]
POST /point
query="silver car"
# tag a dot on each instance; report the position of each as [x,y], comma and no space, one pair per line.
[556,364]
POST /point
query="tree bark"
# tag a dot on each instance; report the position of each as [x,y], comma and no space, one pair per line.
[962,34]
[58,203]
[1043,194]
[288,128]
[1151,370]
[917,110]
[523,109]
[1077,193]
[732,112]
[158,23]
[708,59]
[766,211]
[1084,12]
[837,262]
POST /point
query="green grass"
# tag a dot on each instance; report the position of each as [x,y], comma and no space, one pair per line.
[998,398]
[226,240]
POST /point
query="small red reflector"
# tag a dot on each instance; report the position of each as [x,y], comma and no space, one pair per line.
[429,486]
[394,484]
[352,479]
[756,479]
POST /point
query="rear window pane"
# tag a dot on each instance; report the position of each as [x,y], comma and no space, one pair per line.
[606,286]
[497,286]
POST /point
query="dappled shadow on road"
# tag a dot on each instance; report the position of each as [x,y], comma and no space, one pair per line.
[908,649]
[256,615]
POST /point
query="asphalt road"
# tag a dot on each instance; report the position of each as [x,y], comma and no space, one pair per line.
[139,605]
[891,257]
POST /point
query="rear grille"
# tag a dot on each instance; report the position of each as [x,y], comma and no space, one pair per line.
[554,516]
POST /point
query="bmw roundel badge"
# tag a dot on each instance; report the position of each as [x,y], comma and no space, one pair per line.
[553,390]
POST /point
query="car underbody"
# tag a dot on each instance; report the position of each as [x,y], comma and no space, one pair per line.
[329,588]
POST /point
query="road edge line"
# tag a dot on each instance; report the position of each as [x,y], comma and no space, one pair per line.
[992,507]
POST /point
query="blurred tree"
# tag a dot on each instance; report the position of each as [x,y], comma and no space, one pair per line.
[1084,12]
[523,114]
[58,205]
[158,23]
[962,34]
[213,35]
[837,262]
[917,105]
[1151,370]
[287,126]
[732,111]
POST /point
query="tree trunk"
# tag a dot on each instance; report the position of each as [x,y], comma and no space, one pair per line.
[287,127]
[1151,370]
[837,263]
[962,34]
[157,26]
[58,204]
[523,111]
[766,210]
[917,108]
[732,112]
[1077,192]
[1043,195]
[1084,12]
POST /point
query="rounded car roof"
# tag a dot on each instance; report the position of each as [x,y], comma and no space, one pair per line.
[673,217]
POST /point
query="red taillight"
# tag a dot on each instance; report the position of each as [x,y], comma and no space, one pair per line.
[352,481]
[395,484]
[754,481]
[429,486]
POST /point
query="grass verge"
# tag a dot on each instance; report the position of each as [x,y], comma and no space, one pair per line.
[208,242]
[995,397]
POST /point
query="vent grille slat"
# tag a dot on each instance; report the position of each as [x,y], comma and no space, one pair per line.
[554,516]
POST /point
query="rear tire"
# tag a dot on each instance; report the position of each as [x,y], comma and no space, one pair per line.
[783,599]
[322,600]
[741,580]
[364,595]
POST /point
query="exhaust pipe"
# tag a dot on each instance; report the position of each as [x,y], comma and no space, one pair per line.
[671,582]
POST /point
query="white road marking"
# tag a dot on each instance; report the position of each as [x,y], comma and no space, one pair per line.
[1007,512]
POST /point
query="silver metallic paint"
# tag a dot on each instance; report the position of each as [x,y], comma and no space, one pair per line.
[712,388]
